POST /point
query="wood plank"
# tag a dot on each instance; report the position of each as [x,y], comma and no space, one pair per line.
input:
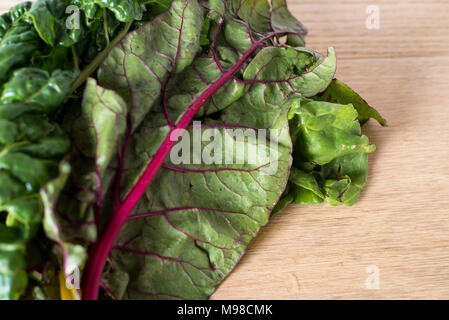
[412,28]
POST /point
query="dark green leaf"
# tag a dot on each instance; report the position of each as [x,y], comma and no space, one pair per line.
[31,147]
[49,18]
[36,86]
[18,40]
[13,277]
[124,10]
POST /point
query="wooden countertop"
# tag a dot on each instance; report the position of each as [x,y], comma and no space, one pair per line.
[400,227]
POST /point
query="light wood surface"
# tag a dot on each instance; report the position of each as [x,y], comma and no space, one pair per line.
[401,224]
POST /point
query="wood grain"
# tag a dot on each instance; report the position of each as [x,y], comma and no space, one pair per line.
[401,224]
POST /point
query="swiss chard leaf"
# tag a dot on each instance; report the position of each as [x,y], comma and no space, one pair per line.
[159,80]
[195,221]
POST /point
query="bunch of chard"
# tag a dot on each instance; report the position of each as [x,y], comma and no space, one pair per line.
[94,97]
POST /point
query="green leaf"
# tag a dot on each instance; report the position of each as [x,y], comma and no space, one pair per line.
[328,131]
[306,188]
[153,8]
[286,199]
[298,70]
[282,19]
[353,170]
[18,40]
[49,20]
[338,92]
[220,63]
[72,255]
[154,55]
[198,218]
[331,155]
[18,12]
[97,130]
[13,16]
[256,13]
[124,10]
[31,147]
[28,153]
[13,277]
[36,86]
[262,17]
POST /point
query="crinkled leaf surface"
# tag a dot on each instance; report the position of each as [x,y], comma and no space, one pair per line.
[31,147]
[38,87]
[49,18]
[14,15]
[124,10]
[328,131]
[331,155]
[18,40]
[13,277]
